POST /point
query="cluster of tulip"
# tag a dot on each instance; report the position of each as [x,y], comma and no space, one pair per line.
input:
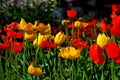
[79,34]
[11,38]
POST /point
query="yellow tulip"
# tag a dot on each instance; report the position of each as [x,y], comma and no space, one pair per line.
[70,53]
[84,24]
[77,24]
[102,40]
[30,37]
[59,38]
[22,24]
[41,38]
[35,42]
[31,69]
[35,71]
[64,22]
[38,71]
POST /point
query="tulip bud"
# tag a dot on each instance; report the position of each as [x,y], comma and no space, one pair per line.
[41,38]
[59,38]
[64,22]
[102,40]
[77,24]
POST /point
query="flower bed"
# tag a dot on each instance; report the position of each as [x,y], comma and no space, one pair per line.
[77,49]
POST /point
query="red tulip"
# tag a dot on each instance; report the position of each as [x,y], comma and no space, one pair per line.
[104,27]
[4,37]
[112,50]
[115,8]
[96,54]
[17,47]
[0,30]
[6,45]
[11,33]
[1,45]
[47,44]
[12,26]
[71,13]
[19,35]
[117,60]
[70,25]
[79,43]
[92,23]
[116,25]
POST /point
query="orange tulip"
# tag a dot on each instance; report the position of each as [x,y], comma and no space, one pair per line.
[35,71]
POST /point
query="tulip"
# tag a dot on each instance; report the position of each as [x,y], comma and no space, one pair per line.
[0,30]
[96,54]
[70,53]
[30,28]
[115,27]
[35,71]
[59,38]
[47,45]
[38,39]
[77,23]
[30,37]
[112,50]
[64,22]
[92,23]
[17,47]
[27,27]
[84,24]
[115,8]
[71,13]
[102,40]
[44,29]
[41,38]
[22,24]
[104,27]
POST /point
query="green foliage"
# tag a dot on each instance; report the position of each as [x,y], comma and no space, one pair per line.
[14,66]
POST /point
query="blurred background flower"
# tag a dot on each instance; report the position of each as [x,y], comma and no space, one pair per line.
[14,10]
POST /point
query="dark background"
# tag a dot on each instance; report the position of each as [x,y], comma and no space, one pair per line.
[103,7]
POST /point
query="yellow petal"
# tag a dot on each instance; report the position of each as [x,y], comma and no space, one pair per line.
[84,24]
[77,24]
[38,71]
[29,28]
[30,37]
[48,29]
[64,22]
[63,54]
[102,40]
[41,38]
[31,69]
[59,38]
[22,24]
[35,42]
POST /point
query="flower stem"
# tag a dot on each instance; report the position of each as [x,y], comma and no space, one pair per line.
[1,69]
[72,70]
[112,70]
